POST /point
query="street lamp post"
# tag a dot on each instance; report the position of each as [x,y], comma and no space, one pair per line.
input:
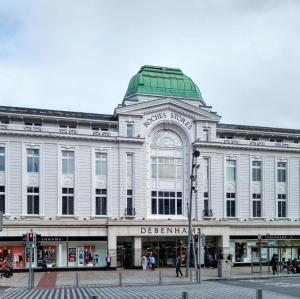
[193,179]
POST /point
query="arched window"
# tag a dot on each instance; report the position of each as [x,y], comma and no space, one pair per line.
[166,173]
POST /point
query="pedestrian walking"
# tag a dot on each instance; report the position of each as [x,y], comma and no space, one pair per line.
[151,262]
[144,263]
[178,264]
[108,261]
[274,263]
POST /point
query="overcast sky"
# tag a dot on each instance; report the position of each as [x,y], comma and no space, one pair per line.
[79,55]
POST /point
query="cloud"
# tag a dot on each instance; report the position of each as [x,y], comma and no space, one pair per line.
[80,55]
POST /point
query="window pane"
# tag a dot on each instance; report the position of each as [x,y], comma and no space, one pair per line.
[154,208]
[154,170]
[172,206]
[67,162]
[29,204]
[65,205]
[161,206]
[230,172]
[129,203]
[167,206]
[98,206]
[179,206]
[2,203]
[129,130]
[71,205]
[2,162]
[36,204]
[103,206]
[232,208]
[206,205]
[129,165]
[228,208]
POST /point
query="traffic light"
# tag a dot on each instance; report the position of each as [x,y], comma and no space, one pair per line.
[196,238]
[30,237]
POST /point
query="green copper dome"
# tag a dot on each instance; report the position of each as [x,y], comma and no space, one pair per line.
[163,81]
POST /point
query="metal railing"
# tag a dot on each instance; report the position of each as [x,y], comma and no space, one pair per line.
[207,213]
[57,130]
[130,212]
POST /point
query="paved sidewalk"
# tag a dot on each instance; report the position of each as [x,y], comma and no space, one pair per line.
[129,277]
[207,290]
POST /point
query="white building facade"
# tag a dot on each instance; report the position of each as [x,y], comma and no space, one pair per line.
[94,184]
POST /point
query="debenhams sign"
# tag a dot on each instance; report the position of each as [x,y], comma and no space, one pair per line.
[164,230]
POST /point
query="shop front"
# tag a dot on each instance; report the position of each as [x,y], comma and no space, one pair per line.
[243,249]
[56,252]
[164,242]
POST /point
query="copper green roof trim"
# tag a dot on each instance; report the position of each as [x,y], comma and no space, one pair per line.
[163,81]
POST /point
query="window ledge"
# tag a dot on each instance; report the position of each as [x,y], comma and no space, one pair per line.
[32,216]
[67,216]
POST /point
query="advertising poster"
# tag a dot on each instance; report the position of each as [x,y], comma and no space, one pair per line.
[80,256]
[72,255]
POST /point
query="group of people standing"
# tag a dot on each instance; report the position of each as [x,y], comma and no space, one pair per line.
[291,266]
[148,263]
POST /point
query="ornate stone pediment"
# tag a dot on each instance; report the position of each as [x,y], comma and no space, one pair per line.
[168,104]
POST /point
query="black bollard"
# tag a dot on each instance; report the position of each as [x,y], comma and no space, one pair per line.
[259,294]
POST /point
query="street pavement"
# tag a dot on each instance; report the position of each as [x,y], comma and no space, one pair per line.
[147,284]
[280,285]
[129,277]
[207,290]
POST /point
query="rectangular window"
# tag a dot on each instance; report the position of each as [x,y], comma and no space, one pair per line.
[2,199]
[33,160]
[281,205]
[68,201]
[205,134]
[129,130]
[166,203]
[33,201]
[256,205]
[206,205]
[256,171]
[2,158]
[129,165]
[67,162]
[129,199]
[230,170]
[101,164]
[154,167]
[281,171]
[230,204]
[101,201]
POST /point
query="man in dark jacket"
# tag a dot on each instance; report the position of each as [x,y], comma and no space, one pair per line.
[178,264]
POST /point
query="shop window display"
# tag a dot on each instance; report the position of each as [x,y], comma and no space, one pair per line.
[15,256]
[240,251]
[47,254]
[89,256]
